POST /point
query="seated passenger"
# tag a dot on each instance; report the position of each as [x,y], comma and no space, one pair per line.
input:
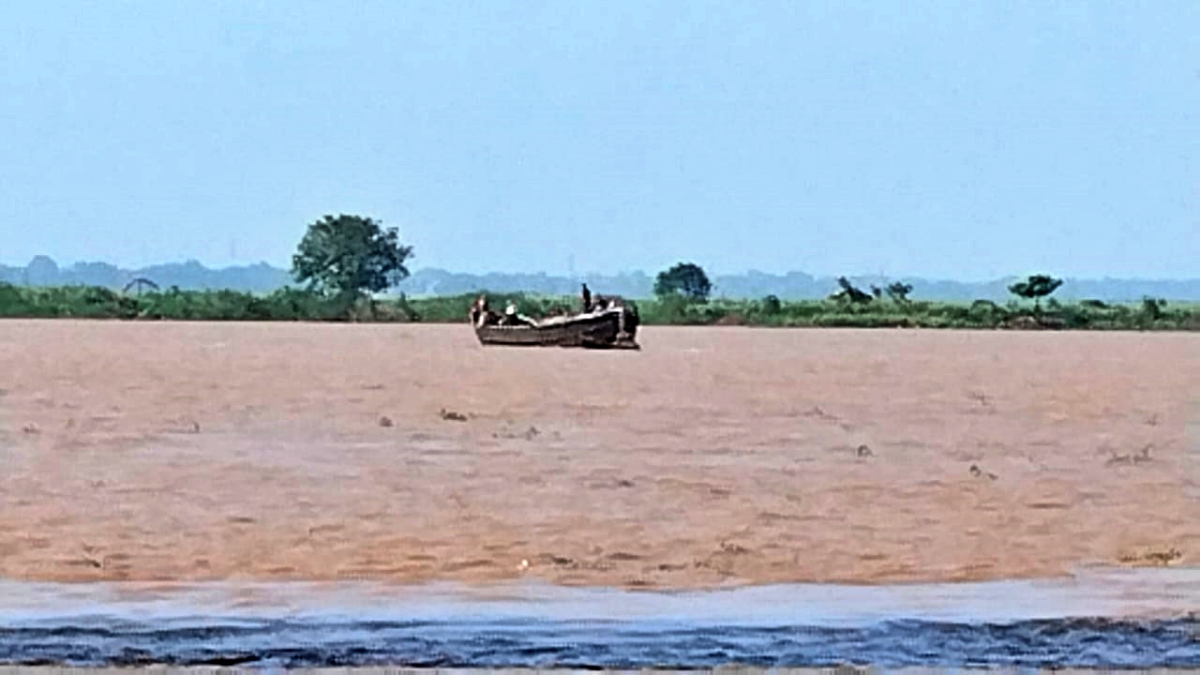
[480,314]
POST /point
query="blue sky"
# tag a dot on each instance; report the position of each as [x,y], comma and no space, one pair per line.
[965,140]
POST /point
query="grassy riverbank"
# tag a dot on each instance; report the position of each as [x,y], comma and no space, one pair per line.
[299,305]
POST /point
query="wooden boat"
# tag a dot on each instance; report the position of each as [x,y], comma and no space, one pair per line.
[612,328]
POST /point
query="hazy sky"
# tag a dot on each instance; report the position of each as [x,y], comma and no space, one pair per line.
[952,139]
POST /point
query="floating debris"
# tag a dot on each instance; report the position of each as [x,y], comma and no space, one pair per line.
[980,473]
[1157,558]
[1142,455]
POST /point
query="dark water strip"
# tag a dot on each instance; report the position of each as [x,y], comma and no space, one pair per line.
[1093,643]
[1137,620]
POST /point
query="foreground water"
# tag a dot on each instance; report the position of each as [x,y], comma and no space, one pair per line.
[1127,619]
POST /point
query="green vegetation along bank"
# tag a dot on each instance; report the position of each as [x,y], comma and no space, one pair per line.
[669,309]
[345,261]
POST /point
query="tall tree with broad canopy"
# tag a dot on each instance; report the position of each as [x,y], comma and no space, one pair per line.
[685,279]
[350,255]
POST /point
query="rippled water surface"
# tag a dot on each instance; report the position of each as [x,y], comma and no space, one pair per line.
[1113,619]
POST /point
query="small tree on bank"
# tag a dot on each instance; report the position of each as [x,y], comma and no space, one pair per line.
[850,292]
[898,292]
[350,256]
[771,306]
[1153,308]
[683,279]
[1035,288]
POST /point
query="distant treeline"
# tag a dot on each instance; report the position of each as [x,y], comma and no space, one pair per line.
[292,304]
[263,278]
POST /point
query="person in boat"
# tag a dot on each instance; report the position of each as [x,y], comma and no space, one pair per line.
[480,314]
[473,312]
[514,318]
[604,302]
[586,296]
[476,310]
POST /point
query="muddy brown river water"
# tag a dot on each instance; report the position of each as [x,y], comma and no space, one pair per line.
[203,451]
[290,495]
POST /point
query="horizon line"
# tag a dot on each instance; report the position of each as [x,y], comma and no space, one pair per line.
[596,273]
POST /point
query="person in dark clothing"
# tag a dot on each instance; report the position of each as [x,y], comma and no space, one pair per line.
[587,298]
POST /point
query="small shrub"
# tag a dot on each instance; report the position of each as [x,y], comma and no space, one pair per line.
[771,306]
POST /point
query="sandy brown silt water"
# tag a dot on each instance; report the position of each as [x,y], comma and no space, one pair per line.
[194,451]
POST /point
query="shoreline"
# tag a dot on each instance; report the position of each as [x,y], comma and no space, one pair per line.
[1088,593]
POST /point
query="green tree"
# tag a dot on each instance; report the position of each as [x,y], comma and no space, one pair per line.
[685,279]
[1035,288]
[1153,308]
[350,256]
[850,292]
[771,305]
[898,292]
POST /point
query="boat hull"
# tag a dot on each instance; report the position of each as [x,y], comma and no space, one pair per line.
[611,329]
